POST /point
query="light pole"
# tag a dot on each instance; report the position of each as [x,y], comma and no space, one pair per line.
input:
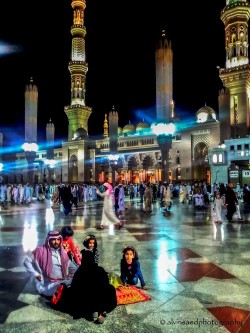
[30,150]
[50,163]
[164,133]
[113,158]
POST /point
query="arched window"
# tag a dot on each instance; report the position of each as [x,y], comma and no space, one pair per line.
[215,158]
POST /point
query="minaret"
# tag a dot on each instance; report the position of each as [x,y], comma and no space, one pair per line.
[50,139]
[30,145]
[113,131]
[105,127]
[164,101]
[77,112]
[31,101]
[164,79]
[113,142]
[236,74]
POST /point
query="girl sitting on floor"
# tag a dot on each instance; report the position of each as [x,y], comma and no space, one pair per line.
[130,268]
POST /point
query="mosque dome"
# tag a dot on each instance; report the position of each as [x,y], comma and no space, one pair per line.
[204,114]
[80,134]
[129,128]
[142,126]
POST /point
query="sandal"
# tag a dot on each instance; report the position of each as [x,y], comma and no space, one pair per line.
[100,227]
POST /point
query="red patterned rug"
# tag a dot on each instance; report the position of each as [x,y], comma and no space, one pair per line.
[130,295]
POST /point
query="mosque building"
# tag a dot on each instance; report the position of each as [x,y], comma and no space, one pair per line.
[135,153]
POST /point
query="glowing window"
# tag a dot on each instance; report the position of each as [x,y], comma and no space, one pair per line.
[215,158]
[220,158]
[202,117]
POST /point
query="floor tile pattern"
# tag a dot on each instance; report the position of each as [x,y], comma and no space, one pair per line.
[197,272]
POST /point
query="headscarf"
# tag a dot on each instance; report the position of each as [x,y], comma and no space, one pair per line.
[43,255]
[109,188]
[88,260]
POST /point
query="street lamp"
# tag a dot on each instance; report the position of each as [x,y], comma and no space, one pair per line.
[113,158]
[30,150]
[164,133]
[50,163]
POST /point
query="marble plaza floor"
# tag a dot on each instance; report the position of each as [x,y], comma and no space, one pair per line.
[197,272]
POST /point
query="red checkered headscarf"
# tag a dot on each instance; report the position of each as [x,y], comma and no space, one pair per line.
[43,255]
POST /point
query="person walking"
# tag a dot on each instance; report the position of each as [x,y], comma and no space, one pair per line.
[108,214]
[217,207]
[230,202]
[148,198]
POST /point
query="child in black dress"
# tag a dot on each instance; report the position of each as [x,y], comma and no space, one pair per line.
[90,244]
[130,268]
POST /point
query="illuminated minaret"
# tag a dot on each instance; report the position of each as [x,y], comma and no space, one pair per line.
[31,101]
[113,142]
[164,79]
[50,139]
[234,101]
[30,145]
[105,127]
[77,112]
[164,101]
[113,131]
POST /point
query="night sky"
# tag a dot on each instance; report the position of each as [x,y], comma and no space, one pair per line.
[120,45]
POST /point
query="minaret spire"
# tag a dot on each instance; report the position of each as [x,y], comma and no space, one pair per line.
[164,79]
[77,112]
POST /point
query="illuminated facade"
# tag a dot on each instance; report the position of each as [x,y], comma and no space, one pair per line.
[234,108]
[85,159]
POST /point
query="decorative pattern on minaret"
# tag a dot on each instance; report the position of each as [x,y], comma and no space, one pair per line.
[106,127]
[164,79]
[235,17]
[78,113]
[234,117]
[31,99]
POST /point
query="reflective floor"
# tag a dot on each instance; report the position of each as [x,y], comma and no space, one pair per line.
[197,272]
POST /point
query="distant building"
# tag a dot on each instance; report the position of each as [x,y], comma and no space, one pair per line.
[131,153]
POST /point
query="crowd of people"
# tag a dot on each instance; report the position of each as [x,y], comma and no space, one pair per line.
[68,196]
[79,287]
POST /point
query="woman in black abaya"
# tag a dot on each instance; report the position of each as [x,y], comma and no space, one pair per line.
[91,291]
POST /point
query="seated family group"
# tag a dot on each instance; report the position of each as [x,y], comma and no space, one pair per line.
[67,276]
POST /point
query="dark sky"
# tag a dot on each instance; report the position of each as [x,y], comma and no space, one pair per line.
[120,44]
